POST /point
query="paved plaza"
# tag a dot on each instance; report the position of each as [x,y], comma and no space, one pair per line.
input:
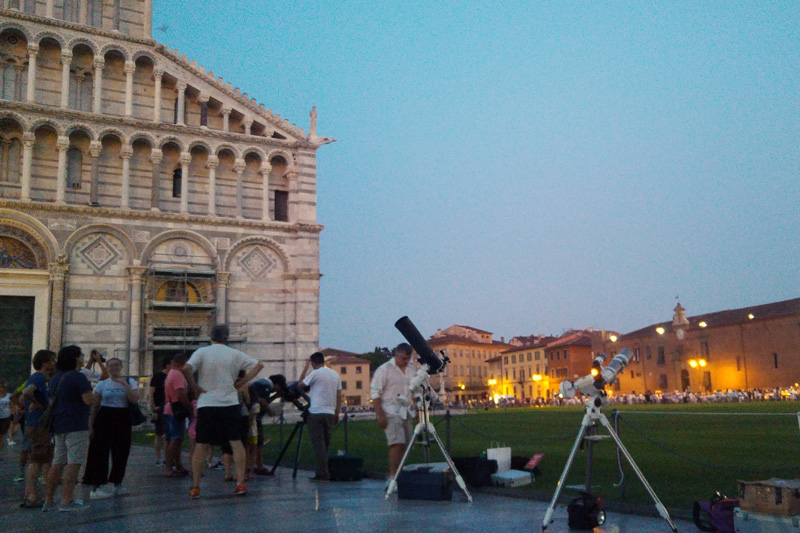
[280,504]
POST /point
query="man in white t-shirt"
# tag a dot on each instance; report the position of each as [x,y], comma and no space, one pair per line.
[218,411]
[325,393]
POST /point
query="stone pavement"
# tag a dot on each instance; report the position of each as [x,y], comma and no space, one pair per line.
[281,504]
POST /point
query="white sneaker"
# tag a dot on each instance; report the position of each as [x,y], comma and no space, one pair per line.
[119,490]
[11,442]
[101,493]
[74,505]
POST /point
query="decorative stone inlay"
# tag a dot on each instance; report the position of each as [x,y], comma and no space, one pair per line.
[223,243]
[99,254]
[257,263]
[181,250]
[18,241]
[141,236]
[62,223]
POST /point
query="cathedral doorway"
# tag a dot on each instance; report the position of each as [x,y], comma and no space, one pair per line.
[16,338]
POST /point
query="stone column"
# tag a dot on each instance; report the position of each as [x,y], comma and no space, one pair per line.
[186,158]
[147,31]
[248,124]
[203,99]
[213,163]
[294,191]
[83,11]
[181,89]
[62,144]
[33,51]
[136,280]
[223,278]
[226,118]
[97,107]
[48,11]
[27,158]
[238,167]
[266,168]
[58,278]
[66,63]
[130,68]
[5,147]
[126,154]
[155,187]
[157,75]
[95,148]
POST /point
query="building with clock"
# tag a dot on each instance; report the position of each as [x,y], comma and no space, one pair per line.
[143,199]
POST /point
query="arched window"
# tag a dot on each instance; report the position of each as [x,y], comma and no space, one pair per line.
[282,206]
[71,10]
[9,81]
[95,13]
[22,83]
[12,163]
[74,168]
[177,179]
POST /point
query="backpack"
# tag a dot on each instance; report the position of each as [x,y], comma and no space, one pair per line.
[715,515]
[585,513]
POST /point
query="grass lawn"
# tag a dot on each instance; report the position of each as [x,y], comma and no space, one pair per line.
[726,448]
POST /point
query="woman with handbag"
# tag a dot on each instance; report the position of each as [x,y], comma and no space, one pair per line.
[111,433]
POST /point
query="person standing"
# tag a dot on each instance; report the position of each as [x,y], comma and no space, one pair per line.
[110,433]
[91,374]
[73,402]
[394,408]
[37,449]
[6,418]
[325,392]
[177,411]
[218,412]
[156,398]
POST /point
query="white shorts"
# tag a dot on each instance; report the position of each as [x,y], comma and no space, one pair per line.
[71,448]
[399,431]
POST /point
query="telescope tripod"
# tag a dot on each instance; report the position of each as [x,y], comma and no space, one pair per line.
[593,415]
[427,430]
[298,430]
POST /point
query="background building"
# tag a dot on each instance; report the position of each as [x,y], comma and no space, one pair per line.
[467,376]
[752,347]
[569,357]
[524,369]
[143,199]
[354,373]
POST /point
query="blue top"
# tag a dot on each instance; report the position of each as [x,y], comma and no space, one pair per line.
[114,393]
[70,414]
[41,395]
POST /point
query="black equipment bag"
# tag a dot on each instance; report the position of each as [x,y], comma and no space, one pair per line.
[585,513]
[476,471]
[346,468]
[431,481]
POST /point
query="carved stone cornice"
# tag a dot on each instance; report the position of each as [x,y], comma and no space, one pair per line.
[84,117]
[223,278]
[136,274]
[58,271]
[73,26]
[129,214]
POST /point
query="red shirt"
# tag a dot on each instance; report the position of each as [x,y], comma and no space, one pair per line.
[175,381]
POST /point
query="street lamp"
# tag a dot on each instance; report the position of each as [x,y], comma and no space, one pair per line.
[693,363]
[660,330]
[702,363]
[492,382]
[537,377]
[702,324]
[613,338]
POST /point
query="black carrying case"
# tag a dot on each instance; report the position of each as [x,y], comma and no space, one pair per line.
[431,481]
[346,468]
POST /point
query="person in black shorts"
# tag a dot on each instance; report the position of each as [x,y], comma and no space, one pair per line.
[157,399]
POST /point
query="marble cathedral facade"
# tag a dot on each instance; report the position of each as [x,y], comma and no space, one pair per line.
[143,199]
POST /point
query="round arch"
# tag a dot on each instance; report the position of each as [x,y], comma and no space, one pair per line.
[35,229]
[80,40]
[35,125]
[14,26]
[109,47]
[258,239]
[229,147]
[201,144]
[51,35]
[142,136]
[138,54]
[284,154]
[180,234]
[255,150]
[112,131]
[76,236]
[16,117]
[85,128]
[172,139]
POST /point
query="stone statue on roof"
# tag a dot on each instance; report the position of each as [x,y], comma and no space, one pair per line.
[312,128]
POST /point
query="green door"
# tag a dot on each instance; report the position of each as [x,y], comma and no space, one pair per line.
[16,338]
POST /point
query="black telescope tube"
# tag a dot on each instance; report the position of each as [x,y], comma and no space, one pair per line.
[426,355]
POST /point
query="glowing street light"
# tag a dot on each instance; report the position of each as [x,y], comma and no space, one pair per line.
[462,387]
[660,330]
[751,316]
[613,338]
[702,324]
[692,363]
[702,363]
[492,382]
[537,377]
[595,372]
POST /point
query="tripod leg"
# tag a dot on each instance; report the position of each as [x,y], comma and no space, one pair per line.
[460,480]
[548,515]
[659,506]
[283,450]
[393,483]
[297,451]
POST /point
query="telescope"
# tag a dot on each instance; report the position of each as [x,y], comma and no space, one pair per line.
[599,377]
[427,357]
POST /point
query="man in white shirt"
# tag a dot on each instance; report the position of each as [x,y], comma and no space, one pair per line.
[393,403]
[325,393]
[218,411]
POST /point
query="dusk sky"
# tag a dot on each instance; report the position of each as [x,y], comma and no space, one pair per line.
[527,167]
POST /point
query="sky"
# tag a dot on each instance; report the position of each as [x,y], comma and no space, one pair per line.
[529,167]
